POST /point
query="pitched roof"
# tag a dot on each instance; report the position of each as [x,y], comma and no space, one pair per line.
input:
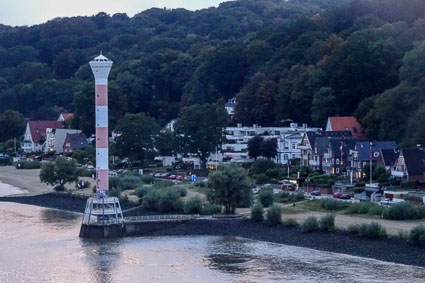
[311,136]
[347,145]
[76,140]
[345,124]
[363,148]
[67,116]
[389,156]
[414,159]
[38,128]
[321,143]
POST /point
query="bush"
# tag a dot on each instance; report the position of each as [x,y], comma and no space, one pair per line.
[266,197]
[210,209]
[274,215]
[261,166]
[193,205]
[115,182]
[295,197]
[28,165]
[84,172]
[365,208]
[310,225]
[169,200]
[150,200]
[417,236]
[148,179]
[402,211]
[327,222]
[163,184]
[261,179]
[372,230]
[290,222]
[282,196]
[332,204]
[129,182]
[257,212]
[182,191]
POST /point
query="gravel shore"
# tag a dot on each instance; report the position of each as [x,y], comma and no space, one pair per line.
[391,250]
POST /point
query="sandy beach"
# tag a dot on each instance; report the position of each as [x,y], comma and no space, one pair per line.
[27,180]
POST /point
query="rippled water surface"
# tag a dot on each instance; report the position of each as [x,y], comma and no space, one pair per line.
[42,245]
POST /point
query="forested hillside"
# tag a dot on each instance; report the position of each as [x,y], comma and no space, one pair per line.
[299,59]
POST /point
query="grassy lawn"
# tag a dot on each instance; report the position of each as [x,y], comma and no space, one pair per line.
[306,206]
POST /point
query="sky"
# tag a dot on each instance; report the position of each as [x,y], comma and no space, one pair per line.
[30,12]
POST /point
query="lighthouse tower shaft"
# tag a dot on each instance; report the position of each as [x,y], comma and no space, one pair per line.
[101,66]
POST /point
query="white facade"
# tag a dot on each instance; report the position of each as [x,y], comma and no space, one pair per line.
[235,144]
[55,139]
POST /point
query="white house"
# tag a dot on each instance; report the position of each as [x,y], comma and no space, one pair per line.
[231,106]
[35,134]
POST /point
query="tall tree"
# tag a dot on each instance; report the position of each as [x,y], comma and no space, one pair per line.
[12,125]
[58,174]
[137,135]
[254,147]
[269,148]
[199,129]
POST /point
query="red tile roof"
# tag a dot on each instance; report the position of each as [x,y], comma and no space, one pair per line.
[346,124]
[67,116]
[38,128]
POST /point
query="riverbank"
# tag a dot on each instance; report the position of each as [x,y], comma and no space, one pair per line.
[25,179]
[391,250]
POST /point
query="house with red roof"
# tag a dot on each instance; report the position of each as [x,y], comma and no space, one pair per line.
[345,124]
[65,117]
[35,134]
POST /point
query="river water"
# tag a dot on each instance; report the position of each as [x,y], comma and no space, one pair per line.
[42,245]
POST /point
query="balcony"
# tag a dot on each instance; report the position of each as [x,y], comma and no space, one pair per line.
[313,163]
[303,147]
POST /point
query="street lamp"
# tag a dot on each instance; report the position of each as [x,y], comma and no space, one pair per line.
[370,158]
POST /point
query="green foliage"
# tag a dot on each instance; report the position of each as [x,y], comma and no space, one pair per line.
[199,129]
[290,222]
[257,212]
[327,222]
[417,236]
[57,174]
[12,125]
[261,166]
[365,208]
[403,211]
[372,230]
[137,136]
[163,183]
[261,179]
[163,200]
[254,147]
[148,179]
[230,187]
[266,197]
[274,215]
[310,225]
[28,165]
[210,209]
[130,182]
[269,148]
[333,204]
[193,205]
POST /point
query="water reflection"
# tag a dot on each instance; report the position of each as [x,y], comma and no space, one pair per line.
[101,256]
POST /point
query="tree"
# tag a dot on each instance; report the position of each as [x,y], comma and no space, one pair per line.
[166,143]
[57,174]
[230,187]
[269,148]
[138,133]
[199,129]
[324,105]
[254,147]
[12,125]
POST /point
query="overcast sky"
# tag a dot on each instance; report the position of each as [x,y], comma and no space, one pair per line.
[30,12]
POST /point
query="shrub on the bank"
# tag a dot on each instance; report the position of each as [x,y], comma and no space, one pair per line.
[372,230]
[365,208]
[417,236]
[310,225]
[182,191]
[129,183]
[28,165]
[332,204]
[193,205]
[403,211]
[115,182]
[163,184]
[257,212]
[261,179]
[150,200]
[274,215]
[148,179]
[210,209]
[327,222]
[169,200]
[295,197]
[265,196]
[290,222]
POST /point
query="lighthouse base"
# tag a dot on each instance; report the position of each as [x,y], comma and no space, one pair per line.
[102,218]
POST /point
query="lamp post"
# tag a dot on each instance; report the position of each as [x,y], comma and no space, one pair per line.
[370,165]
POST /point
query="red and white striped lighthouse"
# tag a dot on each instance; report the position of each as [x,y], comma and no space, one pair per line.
[101,66]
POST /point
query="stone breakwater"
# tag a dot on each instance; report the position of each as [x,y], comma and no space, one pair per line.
[391,250]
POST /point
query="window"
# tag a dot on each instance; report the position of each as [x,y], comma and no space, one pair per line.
[285,157]
[376,154]
[337,161]
[293,146]
[337,170]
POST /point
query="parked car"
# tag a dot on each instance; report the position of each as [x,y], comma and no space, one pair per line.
[164,175]
[288,185]
[180,178]
[157,175]
[386,201]
[364,198]
[316,193]
[172,177]
[337,195]
[345,196]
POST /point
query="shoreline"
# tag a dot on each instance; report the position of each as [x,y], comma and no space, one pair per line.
[389,250]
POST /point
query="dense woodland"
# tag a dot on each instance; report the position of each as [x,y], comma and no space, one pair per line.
[299,59]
